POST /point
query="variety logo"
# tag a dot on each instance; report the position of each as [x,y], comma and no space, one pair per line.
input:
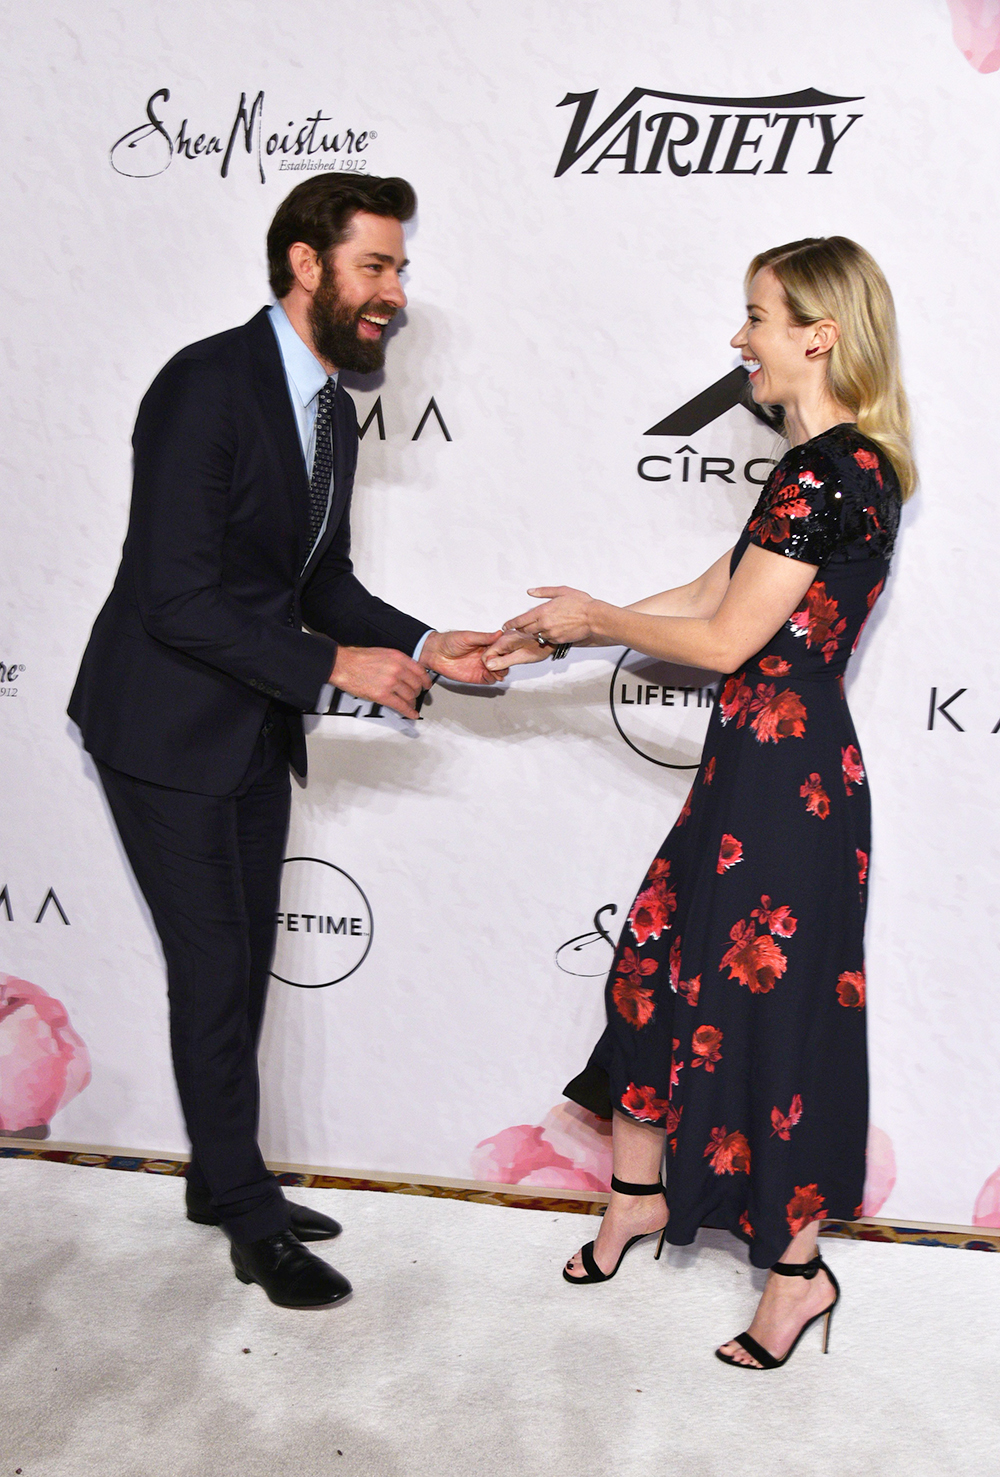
[584,955]
[775,135]
[9,675]
[661,711]
[324,925]
[49,902]
[151,147]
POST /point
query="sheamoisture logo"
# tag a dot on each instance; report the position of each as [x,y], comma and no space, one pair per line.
[776,135]
[153,146]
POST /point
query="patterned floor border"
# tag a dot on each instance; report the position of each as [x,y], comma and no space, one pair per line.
[967,1238]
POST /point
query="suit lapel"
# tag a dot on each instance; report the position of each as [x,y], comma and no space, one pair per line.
[270,389]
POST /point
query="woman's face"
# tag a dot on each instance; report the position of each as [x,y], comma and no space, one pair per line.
[778,353]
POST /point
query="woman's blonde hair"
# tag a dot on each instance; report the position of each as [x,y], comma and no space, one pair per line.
[832,277]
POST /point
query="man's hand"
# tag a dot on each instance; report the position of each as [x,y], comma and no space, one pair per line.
[458,655]
[380,674]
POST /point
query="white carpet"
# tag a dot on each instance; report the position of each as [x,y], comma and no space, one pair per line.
[462,1350]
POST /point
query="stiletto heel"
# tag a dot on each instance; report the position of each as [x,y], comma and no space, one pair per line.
[757,1351]
[592,1270]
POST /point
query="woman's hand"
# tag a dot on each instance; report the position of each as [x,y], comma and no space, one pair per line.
[565,618]
[512,649]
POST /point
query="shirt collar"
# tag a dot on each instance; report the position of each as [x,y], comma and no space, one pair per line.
[303,370]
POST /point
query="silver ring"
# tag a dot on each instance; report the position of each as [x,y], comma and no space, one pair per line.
[541,639]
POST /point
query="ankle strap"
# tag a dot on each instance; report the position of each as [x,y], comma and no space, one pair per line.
[624,1188]
[800,1269]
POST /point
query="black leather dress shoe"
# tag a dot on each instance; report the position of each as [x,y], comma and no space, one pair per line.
[308,1225]
[291,1276]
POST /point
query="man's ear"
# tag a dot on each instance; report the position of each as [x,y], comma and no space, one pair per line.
[305,265]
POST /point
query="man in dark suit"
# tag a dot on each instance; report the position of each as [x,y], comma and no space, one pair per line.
[198,670]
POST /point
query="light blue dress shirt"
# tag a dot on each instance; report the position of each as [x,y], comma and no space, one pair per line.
[305,377]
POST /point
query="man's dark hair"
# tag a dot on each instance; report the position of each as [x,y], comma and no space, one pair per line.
[319,212]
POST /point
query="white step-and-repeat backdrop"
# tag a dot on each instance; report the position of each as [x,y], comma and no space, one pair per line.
[593,180]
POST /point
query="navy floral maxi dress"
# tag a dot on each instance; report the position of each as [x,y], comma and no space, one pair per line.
[736,1001]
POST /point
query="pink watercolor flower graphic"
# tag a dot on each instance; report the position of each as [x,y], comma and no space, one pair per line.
[569,1150]
[975,25]
[880,1179]
[43,1062]
[987,1208]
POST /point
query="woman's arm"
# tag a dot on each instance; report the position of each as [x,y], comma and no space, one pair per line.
[700,599]
[764,591]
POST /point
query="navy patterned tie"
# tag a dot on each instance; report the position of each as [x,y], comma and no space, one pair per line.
[322,471]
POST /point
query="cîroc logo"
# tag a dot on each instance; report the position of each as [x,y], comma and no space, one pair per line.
[794,132]
[661,711]
[152,147]
[324,925]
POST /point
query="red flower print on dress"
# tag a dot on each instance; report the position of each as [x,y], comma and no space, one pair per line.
[650,915]
[675,964]
[872,596]
[673,1118]
[705,1047]
[730,852]
[690,989]
[851,988]
[779,714]
[643,1104]
[676,1068]
[745,1224]
[816,798]
[734,700]
[659,870]
[783,1123]
[774,666]
[685,808]
[869,461]
[729,1152]
[756,961]
[773,525]
[709,774]
[854,770]
[805,1206]
[862,857]
[779,921]
[633,1002]
[816,620]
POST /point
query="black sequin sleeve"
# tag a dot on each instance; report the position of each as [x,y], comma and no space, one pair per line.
[799,513]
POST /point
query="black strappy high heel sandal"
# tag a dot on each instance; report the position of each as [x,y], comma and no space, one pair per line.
[763,1358]
[593,1271]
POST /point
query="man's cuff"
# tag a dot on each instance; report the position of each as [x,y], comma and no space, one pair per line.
[420,645]
[324,703]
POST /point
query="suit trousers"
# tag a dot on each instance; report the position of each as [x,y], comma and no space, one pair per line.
[209,868]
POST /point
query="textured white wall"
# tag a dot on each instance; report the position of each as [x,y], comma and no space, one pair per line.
[553,321]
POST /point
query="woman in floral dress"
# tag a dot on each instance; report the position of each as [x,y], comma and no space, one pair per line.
[736,1001]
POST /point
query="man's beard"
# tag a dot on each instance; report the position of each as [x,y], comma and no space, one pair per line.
[334,327]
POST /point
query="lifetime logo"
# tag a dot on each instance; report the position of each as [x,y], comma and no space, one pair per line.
[291,921]
[790,126]
[669,695]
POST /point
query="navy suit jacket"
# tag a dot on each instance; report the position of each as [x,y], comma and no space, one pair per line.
[203,627]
